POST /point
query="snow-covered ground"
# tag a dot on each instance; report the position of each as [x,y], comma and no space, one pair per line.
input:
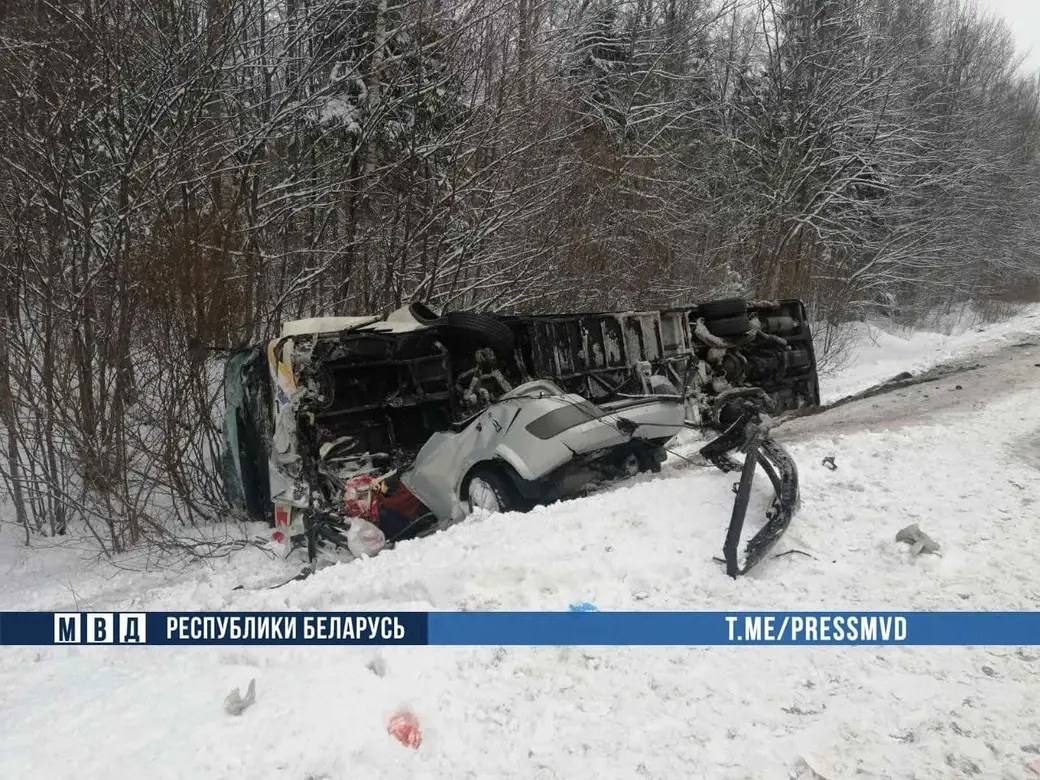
[969,478]
[879,351]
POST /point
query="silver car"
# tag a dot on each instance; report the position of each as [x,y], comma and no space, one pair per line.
[539,444]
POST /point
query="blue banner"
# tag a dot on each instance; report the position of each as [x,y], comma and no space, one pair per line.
[575,628]
[692,629]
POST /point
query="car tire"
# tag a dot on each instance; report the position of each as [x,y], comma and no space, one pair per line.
[491,490]
[472,330]
[639,460]
[730,326]
[648,461]
[728,307]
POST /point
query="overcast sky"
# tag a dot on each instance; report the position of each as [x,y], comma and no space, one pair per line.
[1023,16]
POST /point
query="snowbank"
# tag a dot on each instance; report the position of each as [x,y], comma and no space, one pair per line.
[522,713]
[878,351]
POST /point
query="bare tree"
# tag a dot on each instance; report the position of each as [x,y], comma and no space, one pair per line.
[179,176]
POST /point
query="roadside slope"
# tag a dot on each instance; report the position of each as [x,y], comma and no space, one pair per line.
[877,352]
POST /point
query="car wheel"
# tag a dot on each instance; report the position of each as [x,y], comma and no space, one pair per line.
[639,460]
[631,465]
[730,326]
[489,490]
[728,307]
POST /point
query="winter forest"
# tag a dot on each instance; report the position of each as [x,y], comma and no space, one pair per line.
[179,176]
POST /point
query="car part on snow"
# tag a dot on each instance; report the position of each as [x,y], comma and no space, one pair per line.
[918,540]
[749,433]
[304,573]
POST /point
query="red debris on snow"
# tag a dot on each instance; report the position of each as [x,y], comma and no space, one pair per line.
[404,727]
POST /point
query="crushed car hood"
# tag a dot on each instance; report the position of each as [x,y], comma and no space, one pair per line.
[533,430]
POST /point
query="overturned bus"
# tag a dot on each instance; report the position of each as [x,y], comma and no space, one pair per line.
[354,433]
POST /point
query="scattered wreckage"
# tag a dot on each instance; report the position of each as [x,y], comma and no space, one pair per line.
[354,433]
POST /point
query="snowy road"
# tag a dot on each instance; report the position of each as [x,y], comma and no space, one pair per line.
[957,387]
[961,463]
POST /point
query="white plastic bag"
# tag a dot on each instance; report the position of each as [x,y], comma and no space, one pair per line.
[364,538]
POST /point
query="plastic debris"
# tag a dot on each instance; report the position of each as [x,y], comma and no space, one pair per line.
[359,497]
[364,538]
[583,606]
[829,463]
[404,727]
